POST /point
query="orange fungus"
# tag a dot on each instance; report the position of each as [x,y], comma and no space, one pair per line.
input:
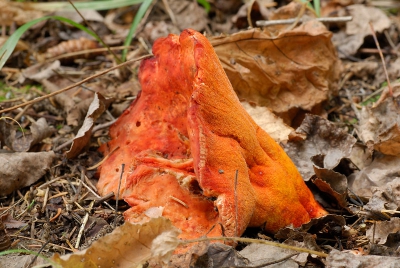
[191,151]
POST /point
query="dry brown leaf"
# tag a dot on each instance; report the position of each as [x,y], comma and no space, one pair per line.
[39,71]
[380,233]
[385,197]
[351,259]
[348,41]
[322,137]
[22,169]
[291,70]
[268,121]
[330,181]
[96,108]
[188,14]
[22,143]
[316,224]
[379,126]
[129,245]
[382,170]
[259,254]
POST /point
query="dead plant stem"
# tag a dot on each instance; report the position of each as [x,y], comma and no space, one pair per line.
[74,85]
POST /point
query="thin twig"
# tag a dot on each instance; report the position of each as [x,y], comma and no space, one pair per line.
[290,21]
[117,196]
[74,85]
[383,60]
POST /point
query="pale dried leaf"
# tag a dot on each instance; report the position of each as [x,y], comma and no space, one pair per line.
[379,126]
[382,229]
[382,170]
[291,70]
[96,108]
[259,254]
[268,121]
[350,259]
[322,137]
[129,245]
[22,169]
[188,14]
[386,197]
[40,71]
[350,40]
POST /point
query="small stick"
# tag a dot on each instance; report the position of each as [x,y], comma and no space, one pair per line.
[95,194]
[45,199]
[117,196]
[290,21]
[74,85]
[383,60]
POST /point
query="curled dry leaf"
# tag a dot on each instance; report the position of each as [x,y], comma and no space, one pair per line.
[379,126]
[96,108]
[129,245]
[383,230]
[330,181]
[270,70]
[39,130]
[185,139]
[22,169]
[321,137]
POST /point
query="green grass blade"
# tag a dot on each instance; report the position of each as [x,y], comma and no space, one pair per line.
[8,47]
[317,7]
[92,5]
[205,4]
[139,15]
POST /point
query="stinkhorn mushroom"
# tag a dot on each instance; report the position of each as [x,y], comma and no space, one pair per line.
[191,150]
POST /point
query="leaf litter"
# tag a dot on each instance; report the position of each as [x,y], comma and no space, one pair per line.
[358,181]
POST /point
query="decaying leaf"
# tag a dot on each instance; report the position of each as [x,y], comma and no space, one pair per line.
[317,224]
[350,40]
[269,70]
[186,138]
[330,181]
[380,171]
[39,130]
[351,259]
[385,197]
[380,125]
[381,232]
[129,245]
[259,254]
[221,255]
[322,138]
[96,108]
[22,169]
